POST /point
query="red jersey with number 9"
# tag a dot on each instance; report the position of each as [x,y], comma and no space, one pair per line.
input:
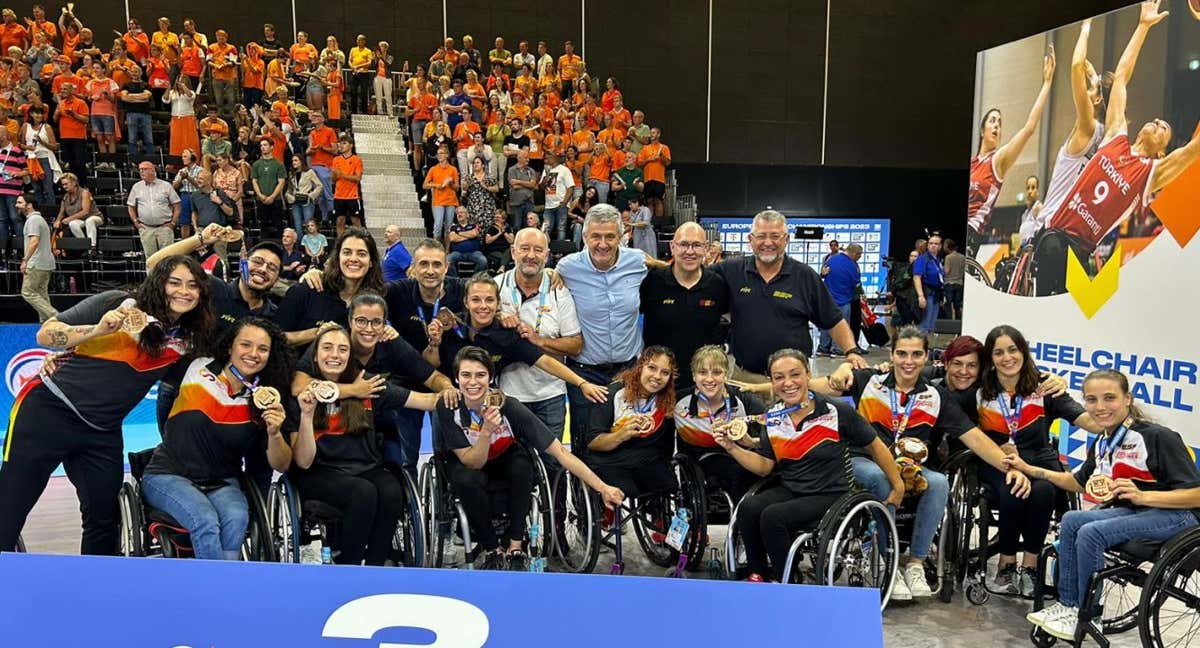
[1114,185]
[981,194]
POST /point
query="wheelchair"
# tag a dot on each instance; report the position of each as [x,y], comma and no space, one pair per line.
[846,547]
[444,515]
[581,531]
[147,531]
[940,563]
[1151,585]
[295,521]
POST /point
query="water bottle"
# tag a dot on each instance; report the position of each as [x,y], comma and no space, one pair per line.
[73,289]
[326,556]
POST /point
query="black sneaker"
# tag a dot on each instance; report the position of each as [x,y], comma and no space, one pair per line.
[1006,580]
[518,561]
[495,561]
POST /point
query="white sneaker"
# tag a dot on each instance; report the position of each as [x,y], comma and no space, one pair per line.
[1039,618]
[914,578]
[1062,625]
[900,590]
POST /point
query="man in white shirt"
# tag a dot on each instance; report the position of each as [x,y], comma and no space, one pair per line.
[557,182]
[523,57]
[547,319]
[544,60]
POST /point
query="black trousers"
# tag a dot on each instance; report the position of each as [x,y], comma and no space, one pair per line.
[723,469]
[1023,522]
[370,503]
[74,153]
[515,468]
[649,477]
[271,218]
[770,520]
[44,433]
[360,91]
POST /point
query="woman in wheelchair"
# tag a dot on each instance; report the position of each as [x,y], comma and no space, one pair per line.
[1011,409]
[1143,469]
[804,443]
[338,453]
[213,426]
[910,414]
[481,436]
[713,403]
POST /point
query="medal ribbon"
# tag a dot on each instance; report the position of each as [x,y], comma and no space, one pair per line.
[1012,418]
[1107,445]
[543,291]
[900,423]
[647,407]
[251,386]
[712,415]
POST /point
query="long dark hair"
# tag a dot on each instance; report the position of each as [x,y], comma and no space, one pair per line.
[357,419]
[989,382]
[196,326]
[631,378]
[332,275]
[983,122]
[277,372]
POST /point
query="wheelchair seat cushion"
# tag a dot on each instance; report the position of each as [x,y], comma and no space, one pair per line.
[163,518]
[1138,550]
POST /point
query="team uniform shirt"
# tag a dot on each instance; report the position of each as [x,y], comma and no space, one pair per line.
[683,319]
[775,315]
[1152,456]
[229,306]
[411,315]
[650,447]
[504,345]
[927,412]
[1033,416]
[303,308]
[982,191]
[344,189]
[551,314]
[391,359]
[105,377]
[1113,186]
[694,415]
[353,451]
[459,428]
[811,459]
[208,432]
[1067,169]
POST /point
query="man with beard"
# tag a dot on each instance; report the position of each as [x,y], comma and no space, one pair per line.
[683,304]
[547,319]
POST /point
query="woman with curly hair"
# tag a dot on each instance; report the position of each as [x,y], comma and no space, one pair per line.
[118,345]
[215,424]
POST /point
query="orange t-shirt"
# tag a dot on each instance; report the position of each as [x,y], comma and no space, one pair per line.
[606,100]
[227,71]
[553,101]
[278,145]
[323,136]
[69,44]
[137,46]
[192,61]
[527,86]
[69,128]
[119,71]
[600,168]
[576,168]
[536,150]
[347,189]
[545,116]
[285,113]
[423,106]
[654,170]
[568,67]
[610,137]
[443,196]
[46,27]
[13,35]
[622,119]
[253,72]
[520,111]
[305,53]
[618,159]
[580,139]
[555,143]
[594,117]
[464,134]
[478,94]
[60,79]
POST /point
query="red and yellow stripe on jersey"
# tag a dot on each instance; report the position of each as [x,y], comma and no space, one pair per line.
[122,347]
[12,415]
[502,437]
[337,422]
[991,416]
[875,405]
[789,443]
[205,392]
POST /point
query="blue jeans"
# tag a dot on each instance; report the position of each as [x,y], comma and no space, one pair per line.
[406,450]
[326,200]
[516,214]
[140,137]
[930,507]
[12,223]
[301,214]
[552,412]
[43,190]
[475,257]
[443,215]
[216,520]
[933,305]
[556,219]
[1086,534]
[601,189]
[826,345]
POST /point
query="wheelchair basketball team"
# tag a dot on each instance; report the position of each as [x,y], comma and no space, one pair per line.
[813,484]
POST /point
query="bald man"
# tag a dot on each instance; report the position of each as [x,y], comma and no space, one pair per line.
[547,319]
[397,257]
[683,304]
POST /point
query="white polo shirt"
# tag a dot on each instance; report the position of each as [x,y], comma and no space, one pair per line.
[557,319]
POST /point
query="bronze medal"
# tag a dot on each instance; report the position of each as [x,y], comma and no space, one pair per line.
[494,398]
[448,319]
[266,397]
[324,391]
[737,429]
[230,235]
[912,448]
[1099,488]
[135,321]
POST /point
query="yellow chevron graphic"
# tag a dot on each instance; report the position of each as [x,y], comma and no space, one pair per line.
[1092,294]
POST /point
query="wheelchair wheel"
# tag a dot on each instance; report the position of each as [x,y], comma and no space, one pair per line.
[695,499]
[260,541]
[408,542]
[851,551]
[977,593]
[1169,609]
[20,546]
[132,525]
[431,502]
[651,520]
[735,549]
[1120,601]
[1041,638]
[577,516]
[164,542]
[947,547]
[540,522]
[283,511]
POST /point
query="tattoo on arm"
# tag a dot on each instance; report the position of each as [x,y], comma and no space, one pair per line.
[58,339]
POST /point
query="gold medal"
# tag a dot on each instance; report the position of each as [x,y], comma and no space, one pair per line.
[1099,487]
[135,321]
[266,397]
[494,398]
[737,429]
[324,391]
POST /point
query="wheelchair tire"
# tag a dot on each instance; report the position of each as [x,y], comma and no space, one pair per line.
[132,529]
[541,512]
[695,499]
[1041,638]
[849,551]
[165,545]
[20,546]
[735,550]
[432,514]
[408,541]
[283,511]
[1176,572]
[577,518]
[651,522]
[947,550]
[260,540]
[977,593]
[1120,606]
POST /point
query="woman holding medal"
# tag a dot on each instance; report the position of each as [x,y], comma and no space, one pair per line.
[338,452]
[479,432]
[119,346]
[1144,469]
[213,426]
[714,404]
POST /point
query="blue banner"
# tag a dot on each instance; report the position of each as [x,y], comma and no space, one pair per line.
[92,601]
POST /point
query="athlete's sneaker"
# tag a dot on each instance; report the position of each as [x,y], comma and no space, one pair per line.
[1039,618]
[914,579]
[1062,624]
[1025,581]
[518,561]
[900,591]
[755,578]
[495,560]
[1005,580]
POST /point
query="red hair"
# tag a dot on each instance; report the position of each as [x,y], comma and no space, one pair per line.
[631,379]
[961,346]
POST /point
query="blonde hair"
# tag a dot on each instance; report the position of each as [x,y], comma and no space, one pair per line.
[709,354]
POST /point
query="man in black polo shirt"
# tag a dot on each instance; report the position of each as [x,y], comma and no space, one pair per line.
[773,298]
[683,304]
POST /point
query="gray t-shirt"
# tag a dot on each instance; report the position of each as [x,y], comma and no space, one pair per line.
[153,202]
[518,195]
[206,211]
[43,258]
[954,264]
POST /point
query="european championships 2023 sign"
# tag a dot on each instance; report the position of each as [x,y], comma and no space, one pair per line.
[1098,267]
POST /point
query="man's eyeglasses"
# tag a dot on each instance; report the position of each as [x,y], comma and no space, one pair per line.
[364,323]
[259,262]
[690,245]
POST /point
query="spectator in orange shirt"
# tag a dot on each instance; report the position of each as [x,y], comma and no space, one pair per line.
[347,175]
[421,106]
[478,95]
[592,113]
[442,181]
[12,34]
[277,74]
[253,75]
[136,41]
[621,117]
[570,68]
[119,66]
[302,51]
[103,93]
[611,92]
[654,158]
[72,31]
[281,108]
[555,141]
[583,139]
[223,58]
[611,134]
[525,81]
[337,88]
[39,25]
[72,116]
[520,108]
[322,146]
[600,171]
[276,131]
[158,70]
[213,124]
[166,40]
[191,59]
[189,28]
